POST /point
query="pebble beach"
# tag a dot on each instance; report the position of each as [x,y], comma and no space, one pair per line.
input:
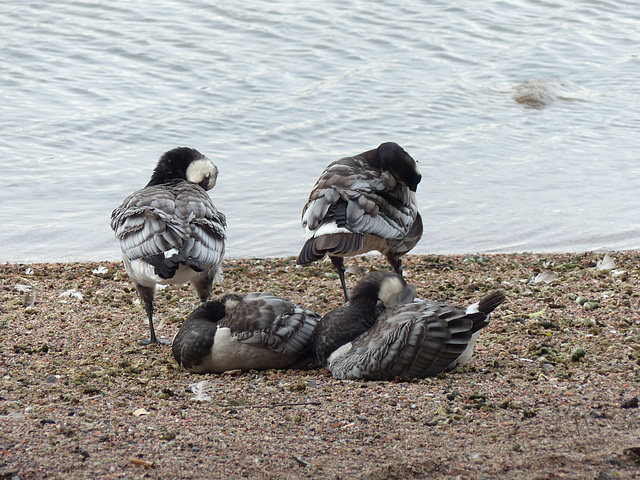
[551,392]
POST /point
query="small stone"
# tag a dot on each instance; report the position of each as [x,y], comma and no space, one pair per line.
[591,305]
[621,274]
[453,395]
[577,354]
[633,453]
[581,300]
[631,403]
[298,387]
[603,475]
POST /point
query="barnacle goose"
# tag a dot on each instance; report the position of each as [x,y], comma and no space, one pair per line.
[363,203]
[170,232]
[411,339]
[251,331]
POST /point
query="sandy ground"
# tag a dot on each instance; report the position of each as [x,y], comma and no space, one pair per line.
[552,391]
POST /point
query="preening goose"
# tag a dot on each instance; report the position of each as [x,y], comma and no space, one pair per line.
[252,331]
[170,232]
[411,340]
[363,203]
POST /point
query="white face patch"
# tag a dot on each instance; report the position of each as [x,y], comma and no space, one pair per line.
[390,288]
[230,304]
[203,172]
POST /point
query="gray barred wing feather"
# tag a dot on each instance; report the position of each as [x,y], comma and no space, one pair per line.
[376,203]
[274,322]
[178,215]
[416,340]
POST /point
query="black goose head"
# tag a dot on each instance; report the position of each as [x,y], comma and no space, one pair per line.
[215,310]
[393,158]
[185,163]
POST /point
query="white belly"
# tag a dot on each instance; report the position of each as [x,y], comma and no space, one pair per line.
[468,352]
[228,353]
[144,274]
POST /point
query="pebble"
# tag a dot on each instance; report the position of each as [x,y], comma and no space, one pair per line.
[591,305]
[581,300]
[577,354]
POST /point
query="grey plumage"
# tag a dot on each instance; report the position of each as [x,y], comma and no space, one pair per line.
[175,215]
[251,331]
[170,231]
[413,340]
[363,203]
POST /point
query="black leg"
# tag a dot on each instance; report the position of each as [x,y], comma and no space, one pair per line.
[152,331]
[338,262]
[146,295]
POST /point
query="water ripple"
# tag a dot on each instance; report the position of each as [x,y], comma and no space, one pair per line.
[92,94]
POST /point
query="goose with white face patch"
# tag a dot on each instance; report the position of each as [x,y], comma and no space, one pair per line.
[242,332]
[170,232]
[413,339]
[363,203]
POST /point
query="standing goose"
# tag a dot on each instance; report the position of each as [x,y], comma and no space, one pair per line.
[252,331]
[412,340]
[170,232]
[363,203]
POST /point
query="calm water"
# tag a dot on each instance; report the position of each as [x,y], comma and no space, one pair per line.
[93,93]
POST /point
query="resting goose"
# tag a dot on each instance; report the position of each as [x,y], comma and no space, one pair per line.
[170,232]
[363,203]
[252,331]
[414,339]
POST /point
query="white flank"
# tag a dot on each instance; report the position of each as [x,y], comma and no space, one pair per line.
[228,353]
[466,355]
[144,274]
[471,309]
[326,229]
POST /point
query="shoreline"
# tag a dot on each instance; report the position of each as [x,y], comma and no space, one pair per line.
[549,392]
[594,251]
